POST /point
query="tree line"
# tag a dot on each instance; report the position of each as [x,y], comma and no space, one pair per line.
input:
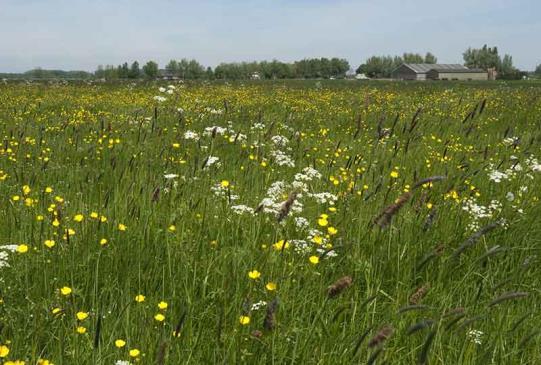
[193,70]
[310,68]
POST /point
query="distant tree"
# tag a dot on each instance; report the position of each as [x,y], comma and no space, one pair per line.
[430,58]
[209,74]
[413,58]
[484,58]
[123,71]
[172,67]
[537,71]
[150,69]
[135,71]
[379,66]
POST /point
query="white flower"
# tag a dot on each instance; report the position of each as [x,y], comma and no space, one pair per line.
[212,160]
[301,223]
[242,209]
[159,98]
[308,174]
[497,176]
[475,336]
[214,130]
[281,159]
[170,176]
[162,89]
[280,141]
[324,198]
[258,305]
[170,91]
[258,126]
[191,135]
[510,196]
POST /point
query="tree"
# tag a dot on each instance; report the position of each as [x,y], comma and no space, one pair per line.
[134,72]
[413,58]
[379,66]
[537,71]
[430,58]
[484,58]
[150,69]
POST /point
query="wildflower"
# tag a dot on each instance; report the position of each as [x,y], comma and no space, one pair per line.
[78,218]
[429,205]
[4,351]
[244,320]
[172,228]
[134,352]
[394,174]
[56,310]
[120,343]
[159,317]
[322,222]
[65,290]
[81,316]
[94,215]
[254,274]
[22,248]
[81,330]
[48,190]
[103,219]
[15,198]
[103,241]
[224,183]
[281,245]
[314,260]
[121,227]
[49,243]
[332,231]
[162,305]
[56,222]
[270,286]
[140,298]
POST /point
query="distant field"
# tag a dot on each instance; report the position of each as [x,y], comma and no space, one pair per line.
[299,222]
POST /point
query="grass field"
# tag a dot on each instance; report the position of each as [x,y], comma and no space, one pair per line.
[270,223]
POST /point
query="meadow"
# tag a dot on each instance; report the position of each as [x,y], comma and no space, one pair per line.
[270,223]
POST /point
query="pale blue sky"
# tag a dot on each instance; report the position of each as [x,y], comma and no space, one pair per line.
[80,34]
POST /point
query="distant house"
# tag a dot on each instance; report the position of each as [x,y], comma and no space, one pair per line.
[427,71]
[255,76]
[166,75]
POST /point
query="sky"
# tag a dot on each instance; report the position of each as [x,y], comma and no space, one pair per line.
[82,34]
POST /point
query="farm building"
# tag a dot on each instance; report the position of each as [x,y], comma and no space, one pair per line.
[448,74]
[426,71]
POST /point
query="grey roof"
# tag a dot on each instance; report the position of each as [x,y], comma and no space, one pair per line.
[422,68]
[459,71]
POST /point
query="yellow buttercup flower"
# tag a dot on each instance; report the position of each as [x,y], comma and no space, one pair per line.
[270,286]
[120,343]
[65,290]
[4,351]
[139,298]
[81,316]
[22,248]
[254,274]
[314,260]
[78,218]
[244,320]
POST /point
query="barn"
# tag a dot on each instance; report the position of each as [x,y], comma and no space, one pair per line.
[467,74]
[427,71]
